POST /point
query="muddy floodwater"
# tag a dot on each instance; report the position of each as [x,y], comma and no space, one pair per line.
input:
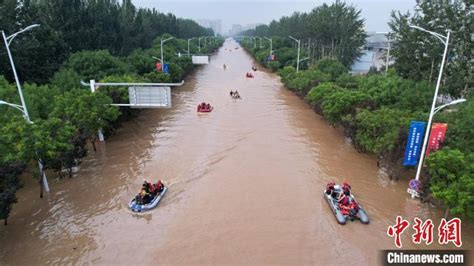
[245,186]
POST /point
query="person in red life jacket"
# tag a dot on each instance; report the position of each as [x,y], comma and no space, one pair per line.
[345,199]
[330,188]
[159,186]
[208,106]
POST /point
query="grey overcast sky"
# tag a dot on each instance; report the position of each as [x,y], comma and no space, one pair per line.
[375,12]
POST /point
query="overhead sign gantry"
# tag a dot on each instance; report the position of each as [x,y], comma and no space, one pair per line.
[141,95]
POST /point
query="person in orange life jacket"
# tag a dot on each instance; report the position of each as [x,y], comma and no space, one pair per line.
[345,197]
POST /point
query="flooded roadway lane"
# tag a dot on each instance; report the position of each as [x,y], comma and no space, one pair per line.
[245,183]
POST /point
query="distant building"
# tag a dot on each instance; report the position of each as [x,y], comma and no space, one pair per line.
[373,54]
[237,28]
[215,25]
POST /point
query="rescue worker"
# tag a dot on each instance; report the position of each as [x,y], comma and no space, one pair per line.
[330,188]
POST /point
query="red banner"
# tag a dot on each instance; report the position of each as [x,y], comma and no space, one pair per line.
[158,67]
[438,132]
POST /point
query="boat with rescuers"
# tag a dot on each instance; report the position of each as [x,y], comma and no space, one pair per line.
[235,95]
[148,197]
[343,203]
[204,108]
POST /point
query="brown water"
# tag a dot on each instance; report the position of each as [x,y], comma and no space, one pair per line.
[245,184]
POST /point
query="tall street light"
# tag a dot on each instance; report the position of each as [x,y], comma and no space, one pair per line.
[199,39]
[271,45]
[8,40]
[260,41]
[298,57]
[161,48]
[445,41]
[188,44]
[254,42]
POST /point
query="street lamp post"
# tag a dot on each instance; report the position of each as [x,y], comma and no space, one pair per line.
[445,41]
[199,39]
[161,48]
[188,45]
[271,45]
[8,40]
[298,56]
[260,38]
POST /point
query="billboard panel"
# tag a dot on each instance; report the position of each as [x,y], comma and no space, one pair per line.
[200,59]
[149,97]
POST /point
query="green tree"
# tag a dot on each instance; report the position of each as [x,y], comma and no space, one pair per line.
[380,130]
[48,139]
[89,112]
[95,64]
[417,53]
[452,180]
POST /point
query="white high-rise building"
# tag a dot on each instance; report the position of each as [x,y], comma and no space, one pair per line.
[214,24]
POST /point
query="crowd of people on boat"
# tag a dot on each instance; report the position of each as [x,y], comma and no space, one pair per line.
[148,192]
[204,107]
[344,199]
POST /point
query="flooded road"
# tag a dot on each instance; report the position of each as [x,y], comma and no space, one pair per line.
[245,182]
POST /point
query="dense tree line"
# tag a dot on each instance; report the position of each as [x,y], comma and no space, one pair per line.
[328,31]
[375,110]
[418,54]
[68,26]
[78,40]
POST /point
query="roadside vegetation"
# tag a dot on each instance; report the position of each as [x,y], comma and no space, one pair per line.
[375,110]
[101,40]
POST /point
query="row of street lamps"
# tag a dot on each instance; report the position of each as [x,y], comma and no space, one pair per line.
[189,40]
[271,48]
